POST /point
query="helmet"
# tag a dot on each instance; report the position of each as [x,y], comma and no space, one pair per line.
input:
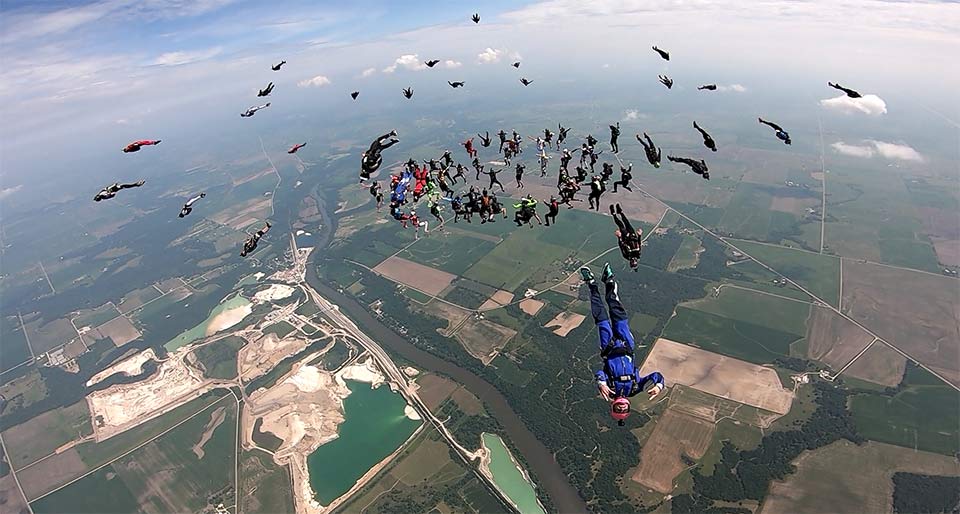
[620,409]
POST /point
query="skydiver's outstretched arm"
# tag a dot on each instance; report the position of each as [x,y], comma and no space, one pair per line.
[774,126]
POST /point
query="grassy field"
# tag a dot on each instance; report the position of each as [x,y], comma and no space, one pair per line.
[264,486]
[922,415]
[686,256]
[748,214]
[909,253]
[220,358]
[820,274]
[510,264]
[451,252]
[45,433]
[759,309]
[739,339]
[165,475]
[281,329]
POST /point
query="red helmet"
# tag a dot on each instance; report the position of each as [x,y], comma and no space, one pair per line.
[620,408]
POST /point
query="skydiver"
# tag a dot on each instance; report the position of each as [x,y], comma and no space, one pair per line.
[597,187]
[698,167]
[526,82]
[781,134]
[665,55]
[503,139]
[135,146]
[526,210]
[253,110]
[591,141]
[851,93]
[594,156]
[383,142]
[707,140]
[625,177]
[628,238]
[455,84]
[377,193]
[496,208]
[666,81]
[553,209]
[562,135]
[276,67]
[520,169]
[433,202]
[188,207]
[468,145]
[475,18]
[653,153]
[485,140]
[543,164]
[606,172]
[354,95]
[408,92]
[708,87]
[619,379]
[548,137]
[266,91]
[431,63]
[459,174]
[111,190]
[614,135]
[516,64]
[477,167]
[251,243]
[446,159]
[294,148]
[517,139]
[581,174]
[493,178]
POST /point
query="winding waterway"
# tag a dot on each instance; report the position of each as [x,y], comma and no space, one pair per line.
[541,462]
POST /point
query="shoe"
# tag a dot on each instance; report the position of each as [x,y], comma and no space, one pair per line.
[393,133]
[607,275]
[586,275]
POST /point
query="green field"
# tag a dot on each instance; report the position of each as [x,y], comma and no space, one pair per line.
[514,261]
[820,274]
[449,252]
[909,253]
[43,434]
[739,339]
[96,317]
[686,256]
[281,329]
[748,213]
[264,486]
[163,476]
[220,357]
[759,309]
[924,414]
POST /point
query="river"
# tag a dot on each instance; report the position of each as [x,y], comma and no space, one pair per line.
[374,426]
[550,475]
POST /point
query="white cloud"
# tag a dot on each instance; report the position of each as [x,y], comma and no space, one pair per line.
[490,55]
[368,72]
[633,114]
[318,81]
[411,62]
[178,58]
[449,63]
[735,88]
[872,148]
[872,105]
[10,191]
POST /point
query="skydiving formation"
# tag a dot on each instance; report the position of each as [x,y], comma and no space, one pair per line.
[619,379]
[136,145]
[849,92]
[188,207]
[111,190]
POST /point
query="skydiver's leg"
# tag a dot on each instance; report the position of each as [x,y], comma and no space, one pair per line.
[497,182]
[616,219]
[600,317]
[128,186]
[621,325]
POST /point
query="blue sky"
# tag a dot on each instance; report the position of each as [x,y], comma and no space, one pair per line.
[100,72]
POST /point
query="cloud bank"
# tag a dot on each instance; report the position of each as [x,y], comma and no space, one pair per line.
[872,148]
[9,191]
[411,62]
[490,55]
[317,81]
[449,63]
[368,72]
[732,88]
[871,105]
[179,58]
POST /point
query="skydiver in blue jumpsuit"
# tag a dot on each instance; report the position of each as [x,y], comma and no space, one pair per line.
[619,379]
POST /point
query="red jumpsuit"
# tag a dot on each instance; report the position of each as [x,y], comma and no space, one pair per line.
[471,151]
[135,146]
